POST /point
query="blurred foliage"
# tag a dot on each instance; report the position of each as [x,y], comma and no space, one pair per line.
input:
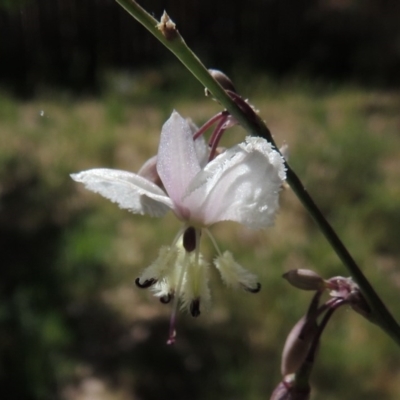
[74,326]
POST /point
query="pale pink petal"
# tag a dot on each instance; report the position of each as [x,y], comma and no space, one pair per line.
[149,169]
[128,190]
[242,184]
[201,147]
[177,162]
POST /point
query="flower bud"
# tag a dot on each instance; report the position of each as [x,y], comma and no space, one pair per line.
[222,79]
[167,27]
[287,390]
[297,345]
[304,279]
[281,392]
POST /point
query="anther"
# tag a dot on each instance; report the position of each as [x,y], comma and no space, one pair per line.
[166,299]
[253,290]
[189,239]
[146,284]
[195,307]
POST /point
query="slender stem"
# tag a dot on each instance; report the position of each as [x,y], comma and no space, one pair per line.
[255,126]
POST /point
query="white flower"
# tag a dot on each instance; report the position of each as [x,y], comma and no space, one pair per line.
[242,184]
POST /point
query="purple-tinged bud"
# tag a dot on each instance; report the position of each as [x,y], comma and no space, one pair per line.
[287,390]
[304,279]
[281,392]
[222,79]
[297,345]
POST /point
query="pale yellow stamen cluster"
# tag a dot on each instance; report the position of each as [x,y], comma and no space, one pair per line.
[233,274]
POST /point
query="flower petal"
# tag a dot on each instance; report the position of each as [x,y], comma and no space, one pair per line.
[129,190]
[177,162]
[242,184]
[200,145]
[149,168]
[149,171]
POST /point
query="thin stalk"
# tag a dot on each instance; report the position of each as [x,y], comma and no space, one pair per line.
[256,126]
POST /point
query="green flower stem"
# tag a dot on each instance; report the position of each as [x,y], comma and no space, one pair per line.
[175,43]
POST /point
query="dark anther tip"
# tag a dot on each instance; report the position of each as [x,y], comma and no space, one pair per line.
[146,284]
[189,239]
[166,299]
[255,289]
[195,308]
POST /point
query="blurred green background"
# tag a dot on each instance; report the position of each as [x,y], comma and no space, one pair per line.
[73,326]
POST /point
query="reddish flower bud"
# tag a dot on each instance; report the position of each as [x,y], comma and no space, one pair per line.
[297,345]
[288,390]
[304,279]
[222,79]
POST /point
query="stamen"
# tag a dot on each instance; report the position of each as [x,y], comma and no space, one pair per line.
[189,239]
[210,122]
[213,242]
[216,137]
[195,307]
[146,284]
[253,290]
[172,321]
[166,299]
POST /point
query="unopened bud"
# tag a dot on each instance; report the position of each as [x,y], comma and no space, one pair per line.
[304,279]
[222,79]
[297,345]
[287,390]
[167,27]
[281,392]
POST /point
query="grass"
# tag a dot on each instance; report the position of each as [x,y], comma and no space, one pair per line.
[74,322]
